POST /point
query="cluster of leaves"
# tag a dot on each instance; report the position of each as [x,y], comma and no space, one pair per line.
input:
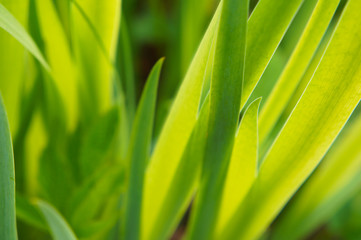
[246,132]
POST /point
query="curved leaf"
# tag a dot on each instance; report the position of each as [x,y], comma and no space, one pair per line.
[243,166]
[297,65]
[139,153]
[14,28]
[59,228]
[319,116]
[334,182]
[7,179]
[225,100]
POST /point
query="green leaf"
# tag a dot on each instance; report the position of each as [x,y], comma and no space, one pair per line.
[125,68]
[184,182]
[225,100]
[27,212]
[297,65]
[175,134]
[7,178]
[14,28]
[268,17]
[98,141]
[334,182]
[138,154]
[12,74]
[192,18]
[319,116]
[95,33]
[92,195]
[243,166]
[59,228]
[59,56]
[266,27]
[54,177]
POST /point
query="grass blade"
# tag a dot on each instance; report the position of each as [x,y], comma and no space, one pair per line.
[266,27]
[139,153]
[59,56]
[334,182]
[175,134]
[27,212]
[7,178]
[14,28]
[95,34]
[243,166]
[172,140]
[319,116]
[59,228]
[225,97]
[185,180]
[98,141]
[297,65]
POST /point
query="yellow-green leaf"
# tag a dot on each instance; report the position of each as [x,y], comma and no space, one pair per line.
[297,65]
[334,182]
[319,116]
[243,166]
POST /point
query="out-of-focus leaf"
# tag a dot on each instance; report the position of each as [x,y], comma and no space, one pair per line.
[346,223]
[54,177]
[7,179]
[98,141]
[57,51]
[184,182]
[124,64]
[297,65]
[96,229]
[138,154]
[63,10]
[11,66]
[319,116]
[243,166]
[91,196]
[95,33]
[15,29]
[27,212]
[192,17]
[334,182]
[225,99]
[59,228]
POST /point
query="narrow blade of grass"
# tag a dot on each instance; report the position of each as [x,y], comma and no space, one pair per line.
[59,56]
[266,27]
[243,166]
[124,64]
[95,34]
[269,16]
[185,180]
[59,228]
[175,134]
[9,23]
[297,65]
[334,182]
[97,142]
[319,116]
[27,212]
[225,99]
[139,153]
[7,178]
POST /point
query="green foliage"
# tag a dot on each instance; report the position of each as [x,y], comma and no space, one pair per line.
[102,153]
[7,179]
